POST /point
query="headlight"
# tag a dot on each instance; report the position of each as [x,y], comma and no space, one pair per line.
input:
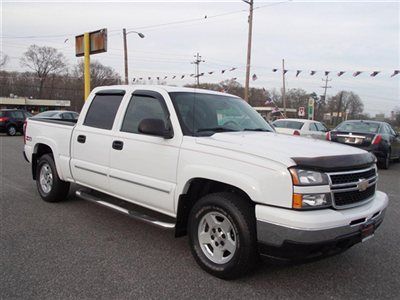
[311,201]
[308,177]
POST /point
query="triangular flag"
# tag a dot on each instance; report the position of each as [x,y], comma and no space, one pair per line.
[298,72]
[134,79]
[201,74]
[223,71]
[327,73]
[355,74]
[173,77]
[274,70]
[234,78]
[191,75]
[340,73]
[313,73]
[183,76]
[140,78]
[210,72]
[149,78]
[374,73]
[285,71]
[165,77]
[395,73]
[232,69]
[254,77]
[158,78]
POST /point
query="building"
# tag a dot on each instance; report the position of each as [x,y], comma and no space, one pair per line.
[268,114]
[34,105]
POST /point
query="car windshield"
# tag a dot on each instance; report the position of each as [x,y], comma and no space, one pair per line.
[362,127]
[47,114]
[205,114]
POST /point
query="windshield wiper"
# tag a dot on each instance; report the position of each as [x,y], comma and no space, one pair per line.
[215,129]
[256,129]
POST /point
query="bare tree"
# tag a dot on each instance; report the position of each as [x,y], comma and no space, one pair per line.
[99,74]
[43,61]
[4,58]
[348,102]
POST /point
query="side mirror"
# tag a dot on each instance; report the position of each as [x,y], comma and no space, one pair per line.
[155,127]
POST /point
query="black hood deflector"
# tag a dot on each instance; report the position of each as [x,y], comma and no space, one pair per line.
[336,163]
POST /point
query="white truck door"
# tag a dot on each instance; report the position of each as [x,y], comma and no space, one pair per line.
[92,140]
[143,167]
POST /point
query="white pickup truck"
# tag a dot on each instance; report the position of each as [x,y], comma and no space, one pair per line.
[207,165]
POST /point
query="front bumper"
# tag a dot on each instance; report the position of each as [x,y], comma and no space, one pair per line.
[289,234]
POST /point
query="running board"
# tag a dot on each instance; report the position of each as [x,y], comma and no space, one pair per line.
[131,213]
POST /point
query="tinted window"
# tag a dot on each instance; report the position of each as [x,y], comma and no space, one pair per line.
[102,111]
[362,127]
[139,108]
[47,114]
[294,124]
[67,116]
[321,127]
[17,114]
[313,127]
[279,124]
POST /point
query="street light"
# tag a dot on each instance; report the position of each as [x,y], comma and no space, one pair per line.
[125,33]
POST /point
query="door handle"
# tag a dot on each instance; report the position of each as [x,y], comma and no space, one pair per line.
[118,145]
[81,139]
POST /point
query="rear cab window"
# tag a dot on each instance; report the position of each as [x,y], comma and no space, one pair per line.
[103,109]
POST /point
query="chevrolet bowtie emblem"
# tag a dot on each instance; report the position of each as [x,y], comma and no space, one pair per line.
[362,184]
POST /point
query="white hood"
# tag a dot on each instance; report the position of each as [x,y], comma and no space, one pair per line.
[277,147]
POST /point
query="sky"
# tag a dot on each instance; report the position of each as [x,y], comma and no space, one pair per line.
[309,35]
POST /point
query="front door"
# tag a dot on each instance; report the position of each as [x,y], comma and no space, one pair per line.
[143,167]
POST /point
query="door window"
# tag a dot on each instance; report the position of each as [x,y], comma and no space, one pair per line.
[102,111]
[313,127]
[140,108]
[17,114]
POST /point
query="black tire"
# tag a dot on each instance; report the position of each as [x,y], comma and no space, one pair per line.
[11,130]
[241,215]
[385,163]
[59,189]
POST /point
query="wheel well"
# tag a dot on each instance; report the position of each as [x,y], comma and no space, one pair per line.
[198,188]
[40,150]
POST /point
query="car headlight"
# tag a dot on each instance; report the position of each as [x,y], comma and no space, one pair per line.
[311,201]
[308,177]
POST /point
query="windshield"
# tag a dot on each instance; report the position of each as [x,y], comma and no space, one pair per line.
[205,114]
[47,114]
[362,127]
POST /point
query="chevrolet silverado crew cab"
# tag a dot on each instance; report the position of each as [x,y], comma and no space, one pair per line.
[206,164]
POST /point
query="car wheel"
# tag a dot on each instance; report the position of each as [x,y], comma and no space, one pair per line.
[222,235]
[51,188]
[386,161]
[11,130]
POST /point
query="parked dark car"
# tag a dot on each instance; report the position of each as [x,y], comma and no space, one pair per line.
[12,120]
[373,136]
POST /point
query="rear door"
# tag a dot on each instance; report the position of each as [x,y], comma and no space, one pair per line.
[92,140]
[143,169]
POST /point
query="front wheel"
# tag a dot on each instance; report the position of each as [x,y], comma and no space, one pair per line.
[222,235]
[11,130]
[51,188]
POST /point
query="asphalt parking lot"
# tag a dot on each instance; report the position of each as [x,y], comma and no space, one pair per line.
[75,249]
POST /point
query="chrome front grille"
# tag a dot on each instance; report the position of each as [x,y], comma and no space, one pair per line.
[352,188]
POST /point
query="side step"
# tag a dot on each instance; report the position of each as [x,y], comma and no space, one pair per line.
[137,214]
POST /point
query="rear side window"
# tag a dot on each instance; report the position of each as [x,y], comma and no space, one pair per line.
[102,111]
[313,127]
[139,108]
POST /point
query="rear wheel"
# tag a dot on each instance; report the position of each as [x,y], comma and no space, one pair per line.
[384,164]
[51,188]
[222,235]
[11,130]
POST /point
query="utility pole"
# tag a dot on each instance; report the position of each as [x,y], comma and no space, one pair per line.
[283,87]
[325,87]
[197,63]
[250,20]
[125,57]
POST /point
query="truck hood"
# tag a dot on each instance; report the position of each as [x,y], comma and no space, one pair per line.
[290,150]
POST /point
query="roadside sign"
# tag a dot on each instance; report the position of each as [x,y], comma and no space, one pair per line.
[302,111]
[98,42]
[311,109]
